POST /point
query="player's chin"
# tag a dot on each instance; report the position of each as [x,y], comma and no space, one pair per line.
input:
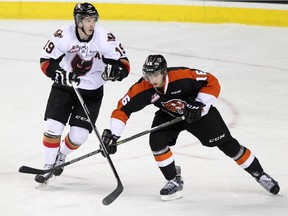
[90,32]
[156,85]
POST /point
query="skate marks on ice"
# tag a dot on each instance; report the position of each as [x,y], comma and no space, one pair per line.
[252,72]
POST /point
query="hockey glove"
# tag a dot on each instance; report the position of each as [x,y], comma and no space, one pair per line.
[112,72]
[109,139]
[65,78]
[192,111]
[172,142]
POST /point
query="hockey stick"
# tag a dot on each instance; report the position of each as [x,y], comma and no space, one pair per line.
[31,170]
[166,124]
[118,190]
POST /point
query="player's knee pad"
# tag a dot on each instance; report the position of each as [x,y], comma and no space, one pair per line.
[78,135]
[231,148]
[172,142]
[161,140]
[53,128]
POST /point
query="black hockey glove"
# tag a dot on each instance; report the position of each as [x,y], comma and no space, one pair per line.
[192,111]
[112,72]
[65,78]
[109,139]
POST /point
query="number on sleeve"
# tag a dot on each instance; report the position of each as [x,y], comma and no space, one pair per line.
[202,75]
[120,49]
[49,46]
[125,100]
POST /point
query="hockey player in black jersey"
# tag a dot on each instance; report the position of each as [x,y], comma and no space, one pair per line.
[178,91]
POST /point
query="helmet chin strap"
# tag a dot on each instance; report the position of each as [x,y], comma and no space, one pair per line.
[162,83]
[82,28]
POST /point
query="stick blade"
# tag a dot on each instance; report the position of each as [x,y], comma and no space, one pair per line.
[30,170]
[113,196]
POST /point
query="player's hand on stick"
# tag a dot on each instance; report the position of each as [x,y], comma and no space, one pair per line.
[65,78]
[108,140]
[192,111]
[112,72]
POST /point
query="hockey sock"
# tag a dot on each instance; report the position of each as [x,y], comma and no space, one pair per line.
[169,171]
[165,161]
[68,146]
[248,162]
[51,145]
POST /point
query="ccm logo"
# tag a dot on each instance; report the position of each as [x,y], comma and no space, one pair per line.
[192,107]
[217,138]
[81,118]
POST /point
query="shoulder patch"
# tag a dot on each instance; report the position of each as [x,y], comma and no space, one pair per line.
[58,33]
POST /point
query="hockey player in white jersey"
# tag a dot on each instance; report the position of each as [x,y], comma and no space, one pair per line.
[89,55]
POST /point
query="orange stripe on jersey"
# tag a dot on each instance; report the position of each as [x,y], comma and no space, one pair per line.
[69,144]
[244,157]
[163,157]
[126,64]
[44,65]
[139,87]
[134,90]
[212,87]
[174,74]
[51,142]
[119,114]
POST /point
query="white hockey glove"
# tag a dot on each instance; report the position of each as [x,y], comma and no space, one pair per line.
[65,78]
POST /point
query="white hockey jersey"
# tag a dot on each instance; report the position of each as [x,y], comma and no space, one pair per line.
[83,58]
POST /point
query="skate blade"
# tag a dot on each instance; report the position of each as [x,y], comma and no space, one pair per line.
[177,195]
[41,185]
[278,194]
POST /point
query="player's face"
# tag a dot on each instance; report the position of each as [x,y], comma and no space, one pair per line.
[156,79]
[89,24]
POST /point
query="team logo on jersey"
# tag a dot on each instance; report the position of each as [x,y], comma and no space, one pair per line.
[74,49]
[175,105]
[58,33]
[155,97]
[81,66]
[110,37]
[83,51]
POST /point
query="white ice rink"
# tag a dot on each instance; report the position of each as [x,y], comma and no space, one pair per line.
[251,65]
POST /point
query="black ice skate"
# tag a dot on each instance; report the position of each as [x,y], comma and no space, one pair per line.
[178,170]
[42,180]
[59,160]
[268,183]
[173,189]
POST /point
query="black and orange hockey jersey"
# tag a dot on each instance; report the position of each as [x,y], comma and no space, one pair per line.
[181,85]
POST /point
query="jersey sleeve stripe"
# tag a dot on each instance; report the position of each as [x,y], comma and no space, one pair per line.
[44,65]
[212,87]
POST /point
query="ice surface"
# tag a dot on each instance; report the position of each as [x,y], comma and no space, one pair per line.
[251,65]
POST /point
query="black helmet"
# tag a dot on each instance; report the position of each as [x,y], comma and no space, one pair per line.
[154,64]
[82,10]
